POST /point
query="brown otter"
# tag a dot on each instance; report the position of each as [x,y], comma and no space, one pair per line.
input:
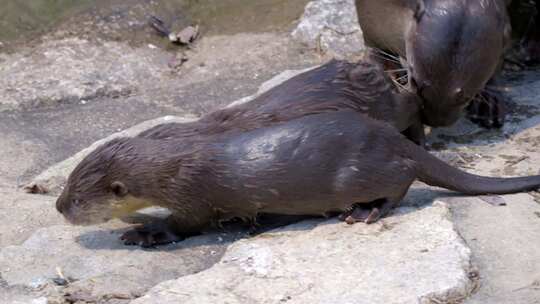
[362,86]
[313,165]
[452,49]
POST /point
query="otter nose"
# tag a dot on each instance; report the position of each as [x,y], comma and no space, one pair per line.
[59,207]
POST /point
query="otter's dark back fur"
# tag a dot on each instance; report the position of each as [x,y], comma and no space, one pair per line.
[362,87]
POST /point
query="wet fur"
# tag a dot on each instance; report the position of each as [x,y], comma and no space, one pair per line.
[361,86]
[452,48]
[314,165]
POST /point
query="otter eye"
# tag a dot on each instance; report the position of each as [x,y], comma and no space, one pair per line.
[119,189]
[459,94]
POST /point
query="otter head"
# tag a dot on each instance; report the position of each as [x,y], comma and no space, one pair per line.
[453,49]
[99,188]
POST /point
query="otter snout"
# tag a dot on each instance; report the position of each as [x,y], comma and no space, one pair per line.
[71,212]
[61,204]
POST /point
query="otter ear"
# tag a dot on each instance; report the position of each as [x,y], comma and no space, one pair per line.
[119,189]
[418,7]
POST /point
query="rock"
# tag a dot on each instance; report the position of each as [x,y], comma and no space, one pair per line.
[97,265]
[267,85]
[332,27]
[187,35]
[71,70]
[17,295]
[505,244]
[21,214]
[55,177]
[415,256]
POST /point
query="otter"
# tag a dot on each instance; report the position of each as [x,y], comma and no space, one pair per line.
[362,86]
[452,49]
[318,164]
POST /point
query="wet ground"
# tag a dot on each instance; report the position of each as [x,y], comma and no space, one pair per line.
[25,21]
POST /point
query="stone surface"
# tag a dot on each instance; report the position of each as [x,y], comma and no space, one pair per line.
[331,26]
[414,256]
[504,242]
[267,85]
[98,265]
[75,70]
[21,214]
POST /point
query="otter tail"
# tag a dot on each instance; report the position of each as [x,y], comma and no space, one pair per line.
[435,172]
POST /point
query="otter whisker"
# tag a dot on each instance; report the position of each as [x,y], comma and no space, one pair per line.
[385,56]
[401,86]
[396,70]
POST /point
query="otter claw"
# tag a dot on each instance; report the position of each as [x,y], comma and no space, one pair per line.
[148,239]
[487,109]
[369,213]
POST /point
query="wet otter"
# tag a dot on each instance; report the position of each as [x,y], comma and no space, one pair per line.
[362,86]
[317,164]
[452,49]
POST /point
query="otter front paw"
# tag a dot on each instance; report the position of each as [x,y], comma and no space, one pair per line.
[147,237]
[487,109]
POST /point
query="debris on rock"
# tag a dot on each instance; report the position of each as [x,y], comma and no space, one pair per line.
[36,188]
[183,37]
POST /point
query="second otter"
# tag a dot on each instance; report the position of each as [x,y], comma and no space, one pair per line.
[452,49]
[363,87]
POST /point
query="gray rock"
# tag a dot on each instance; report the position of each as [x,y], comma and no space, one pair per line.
[415,256]
[75,70]
[267,85]
[331,26]
[98,265]
[21,214]
[505,244]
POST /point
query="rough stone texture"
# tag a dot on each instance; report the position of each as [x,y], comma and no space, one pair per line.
[331,26]
[504,242]
[74,70]
[98,264]
[412,257]
[21,214]
[267,85]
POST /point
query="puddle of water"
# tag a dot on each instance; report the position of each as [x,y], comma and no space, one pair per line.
[23,18]
[19,17]
[234,16]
